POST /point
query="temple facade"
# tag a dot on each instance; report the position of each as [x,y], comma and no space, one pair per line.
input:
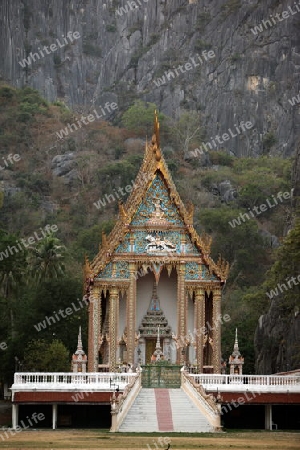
[154,272]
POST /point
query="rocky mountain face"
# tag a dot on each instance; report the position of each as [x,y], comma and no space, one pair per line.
[277,340]
[130,49]
[277,335]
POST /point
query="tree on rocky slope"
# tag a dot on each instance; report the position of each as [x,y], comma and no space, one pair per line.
[277,335]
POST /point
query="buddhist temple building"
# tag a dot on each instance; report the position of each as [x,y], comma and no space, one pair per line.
[154,323]
[154,272]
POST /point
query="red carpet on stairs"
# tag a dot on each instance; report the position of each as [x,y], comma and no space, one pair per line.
[163,410]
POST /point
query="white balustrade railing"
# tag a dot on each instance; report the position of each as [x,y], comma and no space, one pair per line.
[244,382]
[121,405]
[109,380]
[205,402]
[61,380]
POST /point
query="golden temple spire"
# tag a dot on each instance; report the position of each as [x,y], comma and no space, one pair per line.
[155,138]
[104,239]
[156,128]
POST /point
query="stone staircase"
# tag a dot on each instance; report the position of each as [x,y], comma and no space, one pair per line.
[164,410]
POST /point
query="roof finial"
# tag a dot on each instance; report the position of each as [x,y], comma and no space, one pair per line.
[79,358]
[158,338]
[79,343]
[158,353]
[155,139]
[104,242]
[236,345]
[156,128]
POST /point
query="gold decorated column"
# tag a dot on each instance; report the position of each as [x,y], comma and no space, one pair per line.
[199,326]
[181,313]
[113,326]
[100,317]
[186,321]
[216,359]
[93,330]
[131,314]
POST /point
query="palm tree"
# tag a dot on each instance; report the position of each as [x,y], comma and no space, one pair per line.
[46,259]
[12,272]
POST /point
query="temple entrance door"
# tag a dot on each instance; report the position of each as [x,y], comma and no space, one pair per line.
[150,348]
[161,376]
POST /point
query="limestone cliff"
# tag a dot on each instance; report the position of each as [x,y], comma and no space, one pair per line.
[277,340]
[277,336]
[121,53]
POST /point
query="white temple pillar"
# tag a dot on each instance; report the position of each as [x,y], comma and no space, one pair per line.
[15,415]
[54,416]
[268,417]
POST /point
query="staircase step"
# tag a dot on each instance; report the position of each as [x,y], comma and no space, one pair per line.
[164,410]
[142,415]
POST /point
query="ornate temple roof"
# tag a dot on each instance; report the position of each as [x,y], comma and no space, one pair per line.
[154,208]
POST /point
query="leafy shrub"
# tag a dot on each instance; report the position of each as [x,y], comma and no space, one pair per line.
[111,28]
[56,60]
[269,140]
[91,50]
[221,158]
[6,92]
[139,117]
[230,7]
[24,117]
[202,45]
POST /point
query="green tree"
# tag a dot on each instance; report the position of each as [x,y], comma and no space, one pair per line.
[286,266]
[283,308]
[58,357]
[88,239]
[244,306]
[12,271]
[140,118]
[46,259]
[40,356]
[52,298]
[188,131]
[242,246]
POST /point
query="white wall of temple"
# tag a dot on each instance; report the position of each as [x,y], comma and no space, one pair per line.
[190,316]
[191,351]
[122,315]
[169,350]
[167,293]
[121,328]
[143,296]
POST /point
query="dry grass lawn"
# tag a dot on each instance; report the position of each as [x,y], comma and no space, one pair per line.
[93,439]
